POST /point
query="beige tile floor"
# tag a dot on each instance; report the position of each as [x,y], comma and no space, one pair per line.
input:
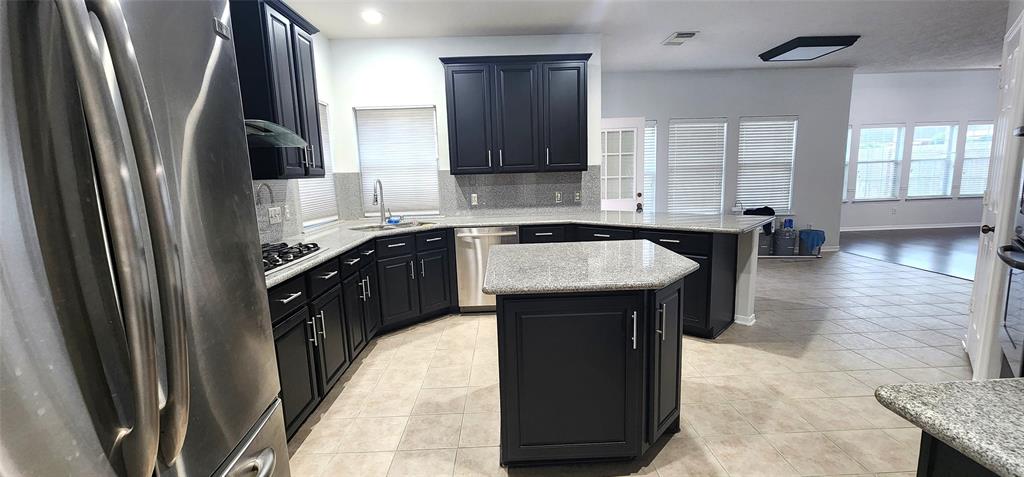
[791,395]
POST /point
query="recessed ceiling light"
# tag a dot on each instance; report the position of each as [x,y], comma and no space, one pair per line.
[806,48]
[678,38]
[372,16]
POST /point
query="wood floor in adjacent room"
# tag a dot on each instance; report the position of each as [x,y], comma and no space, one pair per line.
[791,395]
[950,251]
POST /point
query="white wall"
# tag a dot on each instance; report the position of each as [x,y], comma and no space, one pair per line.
[407,72]
[819,96]
[921,97]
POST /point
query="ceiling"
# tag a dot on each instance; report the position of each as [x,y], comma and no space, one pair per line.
[896,35]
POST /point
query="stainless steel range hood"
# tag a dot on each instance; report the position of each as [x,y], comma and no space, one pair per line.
[261,133]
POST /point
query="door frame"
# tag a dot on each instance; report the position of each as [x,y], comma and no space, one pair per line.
[988,296]
[626,123]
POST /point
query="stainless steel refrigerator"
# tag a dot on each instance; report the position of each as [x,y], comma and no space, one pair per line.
[135,333]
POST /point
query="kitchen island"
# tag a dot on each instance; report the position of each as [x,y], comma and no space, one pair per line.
[589,348]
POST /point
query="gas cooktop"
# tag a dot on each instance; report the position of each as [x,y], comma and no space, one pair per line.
[280,255]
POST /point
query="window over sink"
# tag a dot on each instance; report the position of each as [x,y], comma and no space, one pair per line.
[399,146]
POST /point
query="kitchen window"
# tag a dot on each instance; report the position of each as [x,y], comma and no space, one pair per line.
[977,152]
[764,175]
[399,147]
[932,157]
[879,155]
[696,165]
[317,196]
[650,164]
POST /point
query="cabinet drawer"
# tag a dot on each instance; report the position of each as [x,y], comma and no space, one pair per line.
[542,233]
[585,233]
[432,240]
[394,246]
[287,297]
[351,262]
[323,277]
[680,242]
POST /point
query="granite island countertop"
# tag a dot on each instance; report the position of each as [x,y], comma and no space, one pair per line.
[574,267]
[337,239]
[983,420]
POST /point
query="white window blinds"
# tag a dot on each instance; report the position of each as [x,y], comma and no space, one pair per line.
[399,147]
[932,156]
[316,196]
[650,164]
[977,152]
[767,147]
[696,165]
[878,162]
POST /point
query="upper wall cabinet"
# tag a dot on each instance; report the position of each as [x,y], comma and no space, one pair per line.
[274,48]
[517,113]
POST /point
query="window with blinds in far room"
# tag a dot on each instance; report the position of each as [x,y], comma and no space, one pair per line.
[696,165]
[767,147]
[399,147]
[977,152]
[650,164]
[932,157]
[317,196]
[878,162]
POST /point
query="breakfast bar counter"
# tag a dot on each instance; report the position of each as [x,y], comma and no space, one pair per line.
[589,347]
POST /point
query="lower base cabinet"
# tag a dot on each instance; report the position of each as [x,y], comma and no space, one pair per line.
[588,376]
[331,342]
[296,366]
[398,291]
[353,294]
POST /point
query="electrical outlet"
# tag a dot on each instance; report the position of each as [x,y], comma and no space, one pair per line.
[558,197]
[893,211]
[274,213]
[578,196]
[287,212]
[473,199]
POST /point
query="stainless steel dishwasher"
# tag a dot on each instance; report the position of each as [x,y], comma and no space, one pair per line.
[471,248]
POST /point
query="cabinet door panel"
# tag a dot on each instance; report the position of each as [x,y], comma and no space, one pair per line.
[399,297]
[565,116]
[666,356]
[695,293]
[352,299]
[517,105]
[296,358]
[570,377]
[334,354]
[309,117]
[433,280]
[371,307]
[469,118]
[283,90]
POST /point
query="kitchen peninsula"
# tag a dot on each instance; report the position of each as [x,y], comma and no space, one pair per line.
[589,347]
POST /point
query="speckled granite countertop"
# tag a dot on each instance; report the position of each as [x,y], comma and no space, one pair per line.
[572,267]
[338,239]
[984,420]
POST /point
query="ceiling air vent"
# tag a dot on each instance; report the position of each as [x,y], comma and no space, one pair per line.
[678,38]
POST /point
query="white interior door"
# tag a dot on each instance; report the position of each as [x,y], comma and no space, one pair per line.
[1000,203]
[622,163]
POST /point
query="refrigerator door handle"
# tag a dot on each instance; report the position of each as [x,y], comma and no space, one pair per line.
[163,224]
[140,438]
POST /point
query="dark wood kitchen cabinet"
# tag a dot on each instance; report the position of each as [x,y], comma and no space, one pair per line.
[331,326]
[352,295]
[399,294]
[296,367]
[516,113]
[434,281]
[666,361]
[277,79]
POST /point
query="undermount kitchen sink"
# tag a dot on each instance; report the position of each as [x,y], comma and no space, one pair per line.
[401,225]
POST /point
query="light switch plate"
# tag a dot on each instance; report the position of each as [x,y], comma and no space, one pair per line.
[274,214]
[473,199]
[578,196]
[558,197]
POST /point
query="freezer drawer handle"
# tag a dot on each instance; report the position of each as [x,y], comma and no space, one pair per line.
[291,297]
[400,244]
[668,240]
[327,276]
[435,239]
[261,466]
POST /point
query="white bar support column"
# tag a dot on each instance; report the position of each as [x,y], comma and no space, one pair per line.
[746,274]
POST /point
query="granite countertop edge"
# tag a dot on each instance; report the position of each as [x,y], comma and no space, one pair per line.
[331,250]
[898,399]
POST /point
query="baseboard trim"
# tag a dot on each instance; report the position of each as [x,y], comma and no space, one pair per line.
[829,248]
[745,320]
[870,228]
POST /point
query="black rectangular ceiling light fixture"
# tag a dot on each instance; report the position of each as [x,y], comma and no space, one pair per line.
[807,48]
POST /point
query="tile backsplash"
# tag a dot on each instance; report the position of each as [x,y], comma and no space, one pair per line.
[277,193]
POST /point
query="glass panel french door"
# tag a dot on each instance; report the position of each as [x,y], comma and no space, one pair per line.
[622,163]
